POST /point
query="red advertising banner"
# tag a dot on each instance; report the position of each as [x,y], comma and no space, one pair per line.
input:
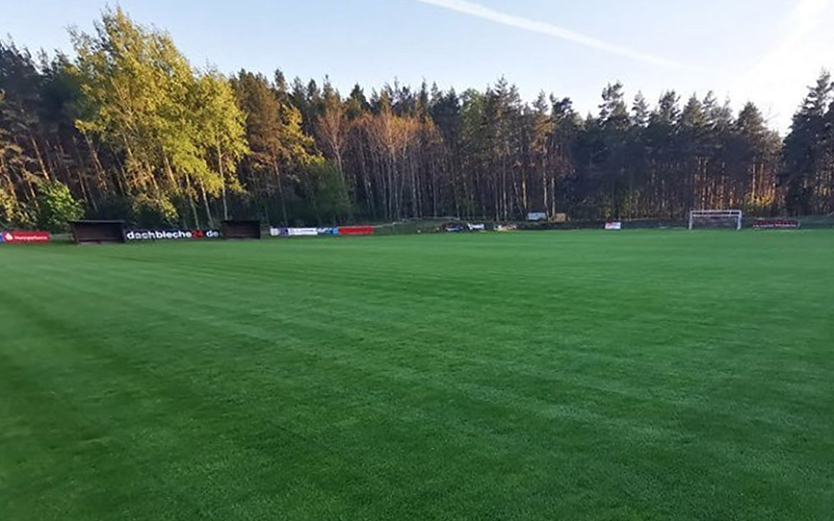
[356,230]
[24,237]
[763,224]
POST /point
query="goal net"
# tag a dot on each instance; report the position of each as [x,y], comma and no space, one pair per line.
[715,219]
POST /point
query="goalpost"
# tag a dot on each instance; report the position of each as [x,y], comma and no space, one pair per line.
[715,219]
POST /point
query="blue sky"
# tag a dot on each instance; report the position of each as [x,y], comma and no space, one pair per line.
[766,51]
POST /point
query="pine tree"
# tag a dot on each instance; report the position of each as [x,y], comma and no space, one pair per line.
[805,156]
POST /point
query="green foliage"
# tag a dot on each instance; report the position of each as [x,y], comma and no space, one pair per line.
[154,212]
[180,131]
[56,206]
[326,193]
[279,146]
[7,208]
[220,130]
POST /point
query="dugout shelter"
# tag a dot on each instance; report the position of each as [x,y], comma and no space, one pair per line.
[236,229]
[98,232]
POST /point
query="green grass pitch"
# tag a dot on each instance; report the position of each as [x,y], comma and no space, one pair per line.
[642,375]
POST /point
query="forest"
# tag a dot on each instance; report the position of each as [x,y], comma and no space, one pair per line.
[126,128]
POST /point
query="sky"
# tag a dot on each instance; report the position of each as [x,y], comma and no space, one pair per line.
[765,51]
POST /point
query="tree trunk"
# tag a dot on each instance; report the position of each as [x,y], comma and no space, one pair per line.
[206,205]
[220,169]
[281,193]
[102,185]
[82,177]
[37,150]
[190,195]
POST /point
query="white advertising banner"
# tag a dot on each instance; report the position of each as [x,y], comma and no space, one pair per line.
[158,235]
[303,232]
[293,232]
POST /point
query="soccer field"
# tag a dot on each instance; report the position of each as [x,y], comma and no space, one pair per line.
[641,375]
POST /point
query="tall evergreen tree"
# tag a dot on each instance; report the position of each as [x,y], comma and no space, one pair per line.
[806,156]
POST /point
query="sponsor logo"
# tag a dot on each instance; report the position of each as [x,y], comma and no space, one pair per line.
[24,237]
[614,225]
[303,232]
[159,235]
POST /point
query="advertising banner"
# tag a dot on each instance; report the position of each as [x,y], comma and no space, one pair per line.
[476,227]
[295,232]
[160,235]
[775,225]
[614,226]
[356,230]
[25,237]
[314,232]
[302,232]
[536,216]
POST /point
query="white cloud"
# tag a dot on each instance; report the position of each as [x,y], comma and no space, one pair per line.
[486,13]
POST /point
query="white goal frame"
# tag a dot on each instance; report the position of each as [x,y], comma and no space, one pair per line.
[715,214]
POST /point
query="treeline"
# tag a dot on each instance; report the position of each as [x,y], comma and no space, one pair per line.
[129,129]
